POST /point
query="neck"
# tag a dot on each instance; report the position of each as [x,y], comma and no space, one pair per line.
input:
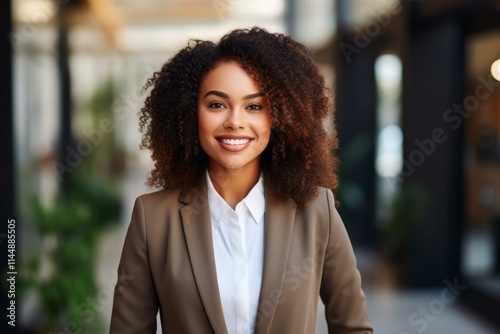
[233,185]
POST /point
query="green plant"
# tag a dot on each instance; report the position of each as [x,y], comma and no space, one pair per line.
[74,225]
[407,210]
[61,271]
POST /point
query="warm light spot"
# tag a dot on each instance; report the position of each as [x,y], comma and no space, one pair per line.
[35,11]
[495,70]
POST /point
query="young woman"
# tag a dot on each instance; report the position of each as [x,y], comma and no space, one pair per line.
[244,237]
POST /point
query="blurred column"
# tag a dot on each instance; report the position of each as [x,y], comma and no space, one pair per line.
[65,137]
[433,83]
[292,16]
[6,133]
[496,228]
[343,8]
[8,193]
[355,99]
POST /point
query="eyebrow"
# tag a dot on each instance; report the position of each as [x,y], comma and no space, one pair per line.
[225,96]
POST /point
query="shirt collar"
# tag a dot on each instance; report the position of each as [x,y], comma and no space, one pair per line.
[254,201]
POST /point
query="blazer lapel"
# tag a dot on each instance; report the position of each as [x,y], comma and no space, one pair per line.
[198,233]
[278,230]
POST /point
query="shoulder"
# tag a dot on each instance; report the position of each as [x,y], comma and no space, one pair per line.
[154,217]
[319,214]
[160,197]
[158,202]
[323,202]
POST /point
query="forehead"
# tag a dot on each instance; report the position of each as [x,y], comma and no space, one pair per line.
[229,75]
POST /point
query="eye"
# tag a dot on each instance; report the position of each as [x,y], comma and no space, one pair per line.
[216,105]
[254,107]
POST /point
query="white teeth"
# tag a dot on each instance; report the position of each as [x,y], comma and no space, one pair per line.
[234,141]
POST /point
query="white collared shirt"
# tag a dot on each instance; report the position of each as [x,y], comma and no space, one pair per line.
[238,241]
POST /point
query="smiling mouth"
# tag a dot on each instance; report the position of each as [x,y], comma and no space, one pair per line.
[234,142]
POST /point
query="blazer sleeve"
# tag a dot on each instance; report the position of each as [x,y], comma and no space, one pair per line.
[135,303]
[345,303]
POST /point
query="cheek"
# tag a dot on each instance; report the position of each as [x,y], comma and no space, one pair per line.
[203,138]
[206,128]
[266,128]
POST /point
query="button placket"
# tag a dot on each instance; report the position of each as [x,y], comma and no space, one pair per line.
[240,271]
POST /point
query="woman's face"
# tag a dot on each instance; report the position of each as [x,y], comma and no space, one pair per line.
[234,123]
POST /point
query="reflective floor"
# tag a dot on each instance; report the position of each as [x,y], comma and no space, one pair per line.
[400,313]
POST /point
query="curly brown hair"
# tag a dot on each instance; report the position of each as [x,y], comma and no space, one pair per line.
[301,153]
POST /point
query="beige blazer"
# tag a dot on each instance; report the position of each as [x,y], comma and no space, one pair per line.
[168,265]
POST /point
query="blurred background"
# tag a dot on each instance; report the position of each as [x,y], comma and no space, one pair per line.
[417,97]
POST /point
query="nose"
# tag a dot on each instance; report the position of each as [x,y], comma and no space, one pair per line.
[235,119]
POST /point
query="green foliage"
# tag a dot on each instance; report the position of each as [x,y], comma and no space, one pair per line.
[350,194]
[407,211]
[74,224]
[61,272]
